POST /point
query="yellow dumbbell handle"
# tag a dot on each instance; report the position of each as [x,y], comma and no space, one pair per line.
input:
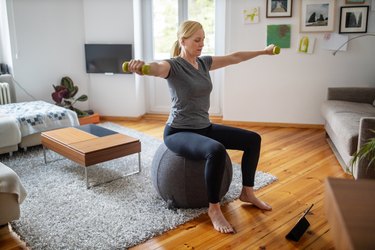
[145,68]
[276,50]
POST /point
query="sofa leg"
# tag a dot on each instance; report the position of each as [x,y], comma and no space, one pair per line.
[4,228]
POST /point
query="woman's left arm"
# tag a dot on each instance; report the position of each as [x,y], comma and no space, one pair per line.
[237,57]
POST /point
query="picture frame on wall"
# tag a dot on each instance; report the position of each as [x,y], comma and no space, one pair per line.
[354,1]
[279,8]
[317,15]
[353,19]
[279,34]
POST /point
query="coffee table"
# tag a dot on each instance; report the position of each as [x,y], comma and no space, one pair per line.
[90,144]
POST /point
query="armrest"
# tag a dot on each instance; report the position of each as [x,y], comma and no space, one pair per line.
[352,94]
[361,169]
[11,183]
[365,124]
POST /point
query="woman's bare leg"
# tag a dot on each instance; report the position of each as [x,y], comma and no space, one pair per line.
[247,195]
[218,220]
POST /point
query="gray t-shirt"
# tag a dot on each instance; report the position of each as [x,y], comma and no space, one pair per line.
[190,90]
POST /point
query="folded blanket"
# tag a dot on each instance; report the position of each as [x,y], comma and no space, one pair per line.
[11,183]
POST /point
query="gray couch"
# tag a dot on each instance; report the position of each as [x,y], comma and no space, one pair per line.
[349,113]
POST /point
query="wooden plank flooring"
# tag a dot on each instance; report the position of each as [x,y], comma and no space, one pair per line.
[299,157]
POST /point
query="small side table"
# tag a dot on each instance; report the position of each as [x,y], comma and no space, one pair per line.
[350,209]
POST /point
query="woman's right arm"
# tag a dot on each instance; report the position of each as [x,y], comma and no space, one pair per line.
[157,68]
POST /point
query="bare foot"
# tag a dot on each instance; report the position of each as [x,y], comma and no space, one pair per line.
[218,220]
[247,195]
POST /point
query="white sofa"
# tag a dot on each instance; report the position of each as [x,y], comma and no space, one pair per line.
[12,194]
[21,123]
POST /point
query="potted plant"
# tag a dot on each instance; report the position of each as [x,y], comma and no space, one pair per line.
[64,96]
[366,152]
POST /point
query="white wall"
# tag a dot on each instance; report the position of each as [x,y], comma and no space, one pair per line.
[47,43]
[109,22]
[290,87]
[4,31]
[47,40]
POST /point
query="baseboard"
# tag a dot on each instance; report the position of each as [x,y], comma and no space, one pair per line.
[120,118]
[215,119]
[273,124]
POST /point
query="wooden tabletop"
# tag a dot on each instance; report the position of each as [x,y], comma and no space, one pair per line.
[88,149]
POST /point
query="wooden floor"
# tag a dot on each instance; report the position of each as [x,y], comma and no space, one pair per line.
[299,157]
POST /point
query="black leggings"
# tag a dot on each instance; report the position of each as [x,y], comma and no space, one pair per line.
[210,144]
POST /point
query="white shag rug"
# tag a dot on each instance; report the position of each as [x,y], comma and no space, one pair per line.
[60,213]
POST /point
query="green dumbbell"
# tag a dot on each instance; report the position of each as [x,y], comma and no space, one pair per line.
[145,68]
[276,50]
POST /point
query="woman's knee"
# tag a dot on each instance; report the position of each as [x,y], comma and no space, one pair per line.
[257,138]
[253,141]
[217,151]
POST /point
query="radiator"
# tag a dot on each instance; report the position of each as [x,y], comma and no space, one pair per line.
[4,93]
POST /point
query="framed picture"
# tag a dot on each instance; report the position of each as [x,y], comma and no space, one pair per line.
[279,8]
[279,34]
[353,19]
[317,15]
[354,1]
[306,44]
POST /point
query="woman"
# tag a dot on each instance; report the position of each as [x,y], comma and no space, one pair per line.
[189,132]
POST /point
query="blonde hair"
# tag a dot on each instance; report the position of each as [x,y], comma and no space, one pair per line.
[186,30]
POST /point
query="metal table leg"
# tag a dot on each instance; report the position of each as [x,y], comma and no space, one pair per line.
[44,153]
[139,162]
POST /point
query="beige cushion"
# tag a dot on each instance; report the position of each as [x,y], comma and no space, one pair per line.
[11,183]
[343,117]
[10,133]
[12,194]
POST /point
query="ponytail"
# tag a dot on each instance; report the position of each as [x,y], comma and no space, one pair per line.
[176,49]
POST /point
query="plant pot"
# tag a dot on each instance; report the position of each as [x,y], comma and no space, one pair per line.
[94,118]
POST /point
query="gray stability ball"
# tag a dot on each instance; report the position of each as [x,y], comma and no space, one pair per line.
[180,181]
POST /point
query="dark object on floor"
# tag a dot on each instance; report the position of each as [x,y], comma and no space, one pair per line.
[300,228]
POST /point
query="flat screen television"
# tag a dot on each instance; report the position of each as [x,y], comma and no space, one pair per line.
[107,58]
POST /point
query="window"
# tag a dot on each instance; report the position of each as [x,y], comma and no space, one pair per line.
[166,15]
[165,21]
[203,11]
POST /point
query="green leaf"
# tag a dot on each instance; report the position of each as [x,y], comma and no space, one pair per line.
[68,83]
[67,102]
[73,92]
[82,98]
[80,113]
[367,151]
